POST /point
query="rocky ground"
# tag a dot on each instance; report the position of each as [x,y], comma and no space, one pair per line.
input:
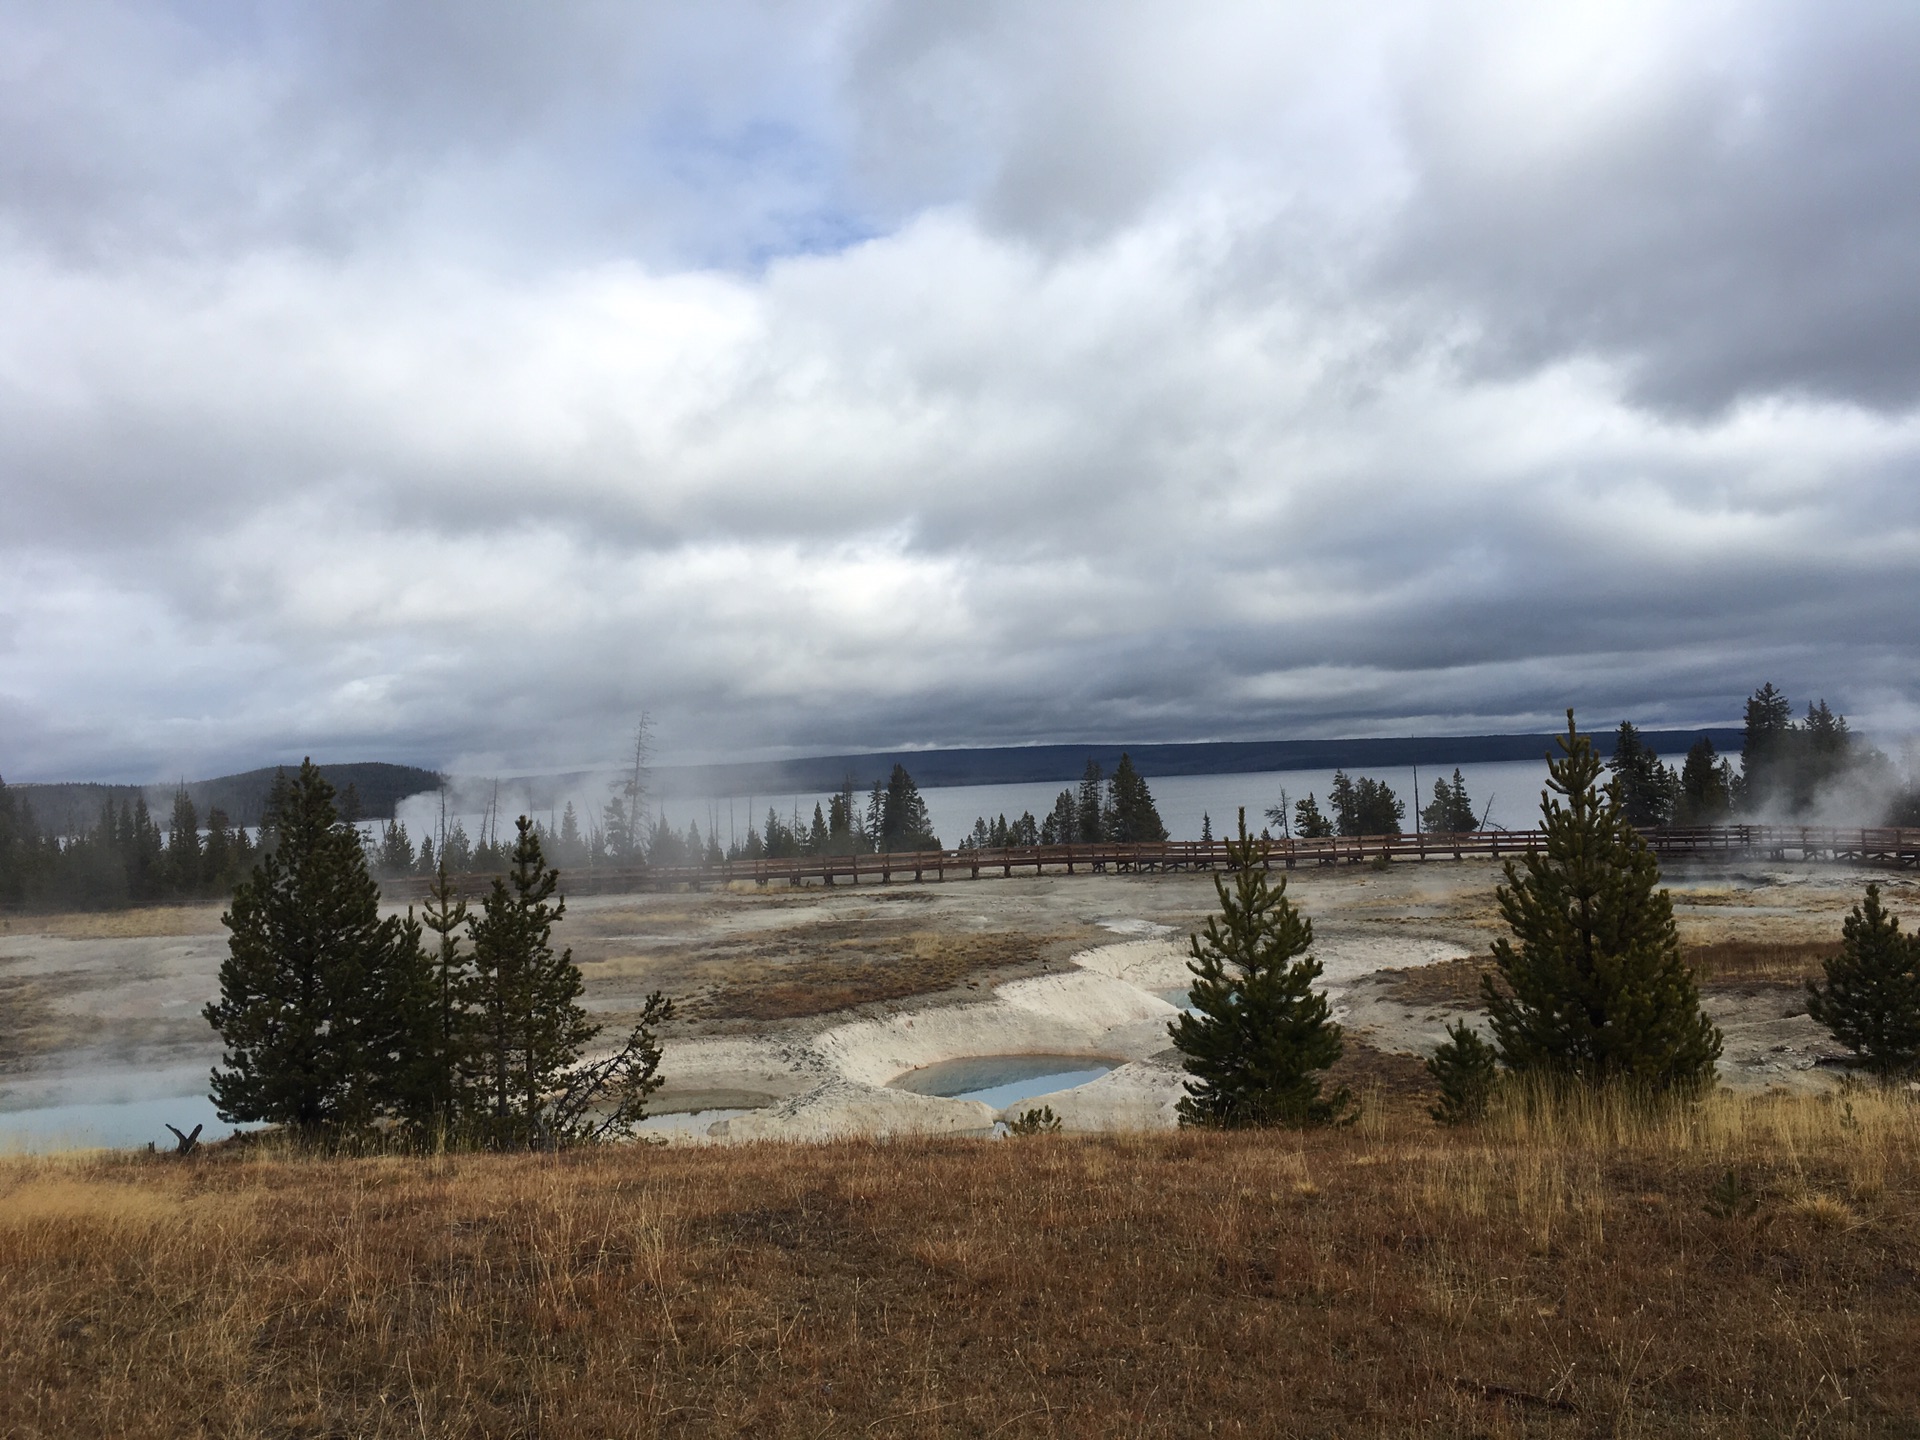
[800,1006]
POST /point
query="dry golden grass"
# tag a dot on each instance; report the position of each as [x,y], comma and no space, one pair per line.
[136,923]
[1733,963]
[1559,1272]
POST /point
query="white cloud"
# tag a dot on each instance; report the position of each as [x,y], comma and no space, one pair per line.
[975,376]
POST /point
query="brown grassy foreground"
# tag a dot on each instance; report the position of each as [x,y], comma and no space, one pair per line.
[1597,1274]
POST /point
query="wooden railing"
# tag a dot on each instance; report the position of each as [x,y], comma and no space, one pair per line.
[1871,845]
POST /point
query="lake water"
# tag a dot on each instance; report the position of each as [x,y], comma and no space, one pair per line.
[1003,1080]
[1506,791]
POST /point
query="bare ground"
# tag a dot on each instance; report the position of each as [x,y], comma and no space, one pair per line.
[776,970]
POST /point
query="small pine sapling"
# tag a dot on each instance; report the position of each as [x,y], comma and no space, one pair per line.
[1871,1001]
[1465,1068]
[1259,1036]
[1039,1121]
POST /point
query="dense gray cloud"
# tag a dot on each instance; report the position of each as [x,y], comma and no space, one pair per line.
[447,382]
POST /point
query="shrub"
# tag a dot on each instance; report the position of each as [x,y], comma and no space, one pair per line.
[1465,1068]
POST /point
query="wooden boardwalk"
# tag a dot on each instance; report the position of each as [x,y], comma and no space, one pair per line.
[1871,846]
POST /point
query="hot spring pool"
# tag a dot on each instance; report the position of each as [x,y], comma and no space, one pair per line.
[1003,1080]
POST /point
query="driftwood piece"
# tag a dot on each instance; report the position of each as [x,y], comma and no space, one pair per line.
[187,1143]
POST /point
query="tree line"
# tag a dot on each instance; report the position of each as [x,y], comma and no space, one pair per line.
[340,1023]
[1118,808]
[124,858]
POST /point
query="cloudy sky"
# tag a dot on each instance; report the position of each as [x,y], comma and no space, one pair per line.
[445,382]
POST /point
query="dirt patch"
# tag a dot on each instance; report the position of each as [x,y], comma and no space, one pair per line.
[1398,1083]
[1733,965]
[1451,984]
[816,974]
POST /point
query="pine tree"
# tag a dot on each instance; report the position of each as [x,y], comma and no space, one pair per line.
[1365,806]
[1087,810]
[904,824]
[1344,801]
[444,1076]
[1767,743]
[145,853]
[15,846]
[1871,1001]
[570,848]
[1706,790]
[396,850]
[1308,822]
[1062,825]
[1262,1034]
[530,1028]
[1451,811]
[1130,815]
[184,859]
[219,858]
[1465,1067]
[316,988]
[1597,990]
[1647,789]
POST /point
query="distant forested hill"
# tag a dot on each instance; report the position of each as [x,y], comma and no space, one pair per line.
[1062,763]
[65,808]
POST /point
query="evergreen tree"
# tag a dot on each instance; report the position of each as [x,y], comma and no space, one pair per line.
[316,989]
[1344,801]
[819,839]
[16,844]
[1766,758]
[1308,822]
[1024,832]
[844,834]
[1597,990]
[1465,1067]
[1451,811]
[570,847]
[1262,1034]
[1062,825]
[456,850]
[1647,789]
[445,1069]
[1365,806]
[1706,787]
[219,862]
[530,1028]
[144,852]
[904,824]
[1087,816]
[1206,828]
[184,859]
[396,850]
[1130,815]
[1871,1001]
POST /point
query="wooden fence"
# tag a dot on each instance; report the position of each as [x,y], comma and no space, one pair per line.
[1872,845]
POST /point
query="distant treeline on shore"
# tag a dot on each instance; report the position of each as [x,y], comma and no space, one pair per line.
[372,790]
[120,853]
